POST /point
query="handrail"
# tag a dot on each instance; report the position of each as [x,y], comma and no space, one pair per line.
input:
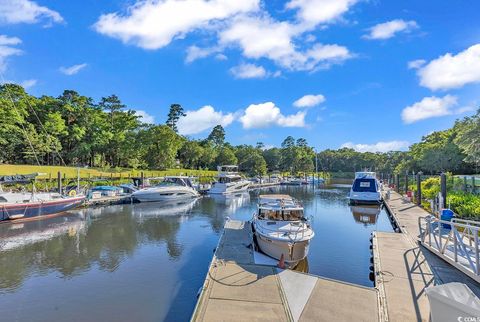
[456,241]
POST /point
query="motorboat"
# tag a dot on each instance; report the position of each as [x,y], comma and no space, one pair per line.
[17,205]
[229,181]
[281,229]
[365,189]
[171,188]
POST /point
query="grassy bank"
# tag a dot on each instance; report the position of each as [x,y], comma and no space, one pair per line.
[71,172]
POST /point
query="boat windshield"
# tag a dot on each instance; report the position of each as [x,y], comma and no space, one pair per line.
[284,214]
[174,181]
[229,179]
[364,185]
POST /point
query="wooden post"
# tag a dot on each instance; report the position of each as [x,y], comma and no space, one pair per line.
[142,178]
[465,183]
[473,185]
[419,188]
[443,189]
[59,182]
[406,183]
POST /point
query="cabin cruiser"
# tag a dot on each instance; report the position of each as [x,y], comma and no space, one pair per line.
[281,229]
[17,205]
[365,189]
[171,188]
[229,181]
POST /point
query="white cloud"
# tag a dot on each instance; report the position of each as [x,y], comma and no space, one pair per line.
[154,24]
[309,100]
[72,70]
[320,11]
[243,71]
[263,37]
[203,119]
[267,114]
[221,57]
[429,107]
[378,147]
[26,11]
[195,52]
[28,83]
[390,28]
[452,71]
[416,64]
[242,24]
[7,50]
[145,117]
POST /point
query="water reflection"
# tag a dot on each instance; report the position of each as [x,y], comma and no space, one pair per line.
[366,215]
[154,256]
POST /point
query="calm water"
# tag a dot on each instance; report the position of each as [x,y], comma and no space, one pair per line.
[146,262]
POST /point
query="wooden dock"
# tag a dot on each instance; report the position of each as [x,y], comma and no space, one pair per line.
[108,201]
[404,269]
[238,289]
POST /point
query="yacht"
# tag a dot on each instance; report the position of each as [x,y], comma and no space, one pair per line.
[171,188]
[229,181]
[281,229]
[365,189]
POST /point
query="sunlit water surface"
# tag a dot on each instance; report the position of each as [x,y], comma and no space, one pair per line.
[146,262]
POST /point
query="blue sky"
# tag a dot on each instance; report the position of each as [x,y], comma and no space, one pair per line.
[372,75]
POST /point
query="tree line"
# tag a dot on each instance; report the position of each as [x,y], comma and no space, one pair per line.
[73,129]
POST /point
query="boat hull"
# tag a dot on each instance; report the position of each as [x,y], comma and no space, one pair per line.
[38,208]
[163,195]
[365,198]
[292,252]
[225,188]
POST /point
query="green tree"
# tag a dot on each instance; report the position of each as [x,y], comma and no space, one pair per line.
[226,156]
[217,136]
[161,146]
[468,138]
[176,111]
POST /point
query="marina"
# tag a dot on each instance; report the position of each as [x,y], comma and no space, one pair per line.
[116,252]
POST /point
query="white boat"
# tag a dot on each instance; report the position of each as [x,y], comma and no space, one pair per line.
[229,181]
[365,189]
[282,229]
[171,188]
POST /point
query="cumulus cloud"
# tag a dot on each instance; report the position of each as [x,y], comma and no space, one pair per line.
[72,70]
[26,11]
[263,37]
[154,24]
[145,117]
[267,114]
[390,28]
[429,107]
[7,49]
[244,71]
[452,71]
[320,11]
[378,147]
[309,100]
[241,24]
[203,119]
[416,64]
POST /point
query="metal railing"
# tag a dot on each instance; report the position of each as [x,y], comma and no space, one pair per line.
[454,241]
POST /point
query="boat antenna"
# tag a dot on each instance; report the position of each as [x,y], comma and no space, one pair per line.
[21,124]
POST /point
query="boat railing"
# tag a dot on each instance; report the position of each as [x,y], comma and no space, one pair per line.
[454,241]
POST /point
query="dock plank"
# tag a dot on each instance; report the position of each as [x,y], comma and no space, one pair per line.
[237,289]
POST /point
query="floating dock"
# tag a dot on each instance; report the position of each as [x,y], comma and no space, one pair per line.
[404,269]
[238,288]
[108,201]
